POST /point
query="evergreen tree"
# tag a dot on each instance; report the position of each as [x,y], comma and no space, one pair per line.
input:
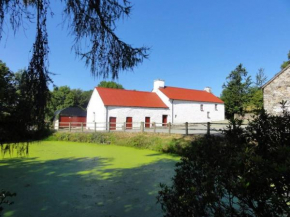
[90,21]
[235,92]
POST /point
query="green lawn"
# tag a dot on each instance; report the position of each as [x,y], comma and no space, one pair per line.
[80,179]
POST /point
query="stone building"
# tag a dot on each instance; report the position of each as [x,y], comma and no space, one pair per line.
[276,90]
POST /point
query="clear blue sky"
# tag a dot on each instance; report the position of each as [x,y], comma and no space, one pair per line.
[194,43]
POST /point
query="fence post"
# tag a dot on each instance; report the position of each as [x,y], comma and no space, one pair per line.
[82,127]
[186,128]
[208,128]
[69,126]
[169,128]
[154,127]
[124,126]
[142,127]
[95,123]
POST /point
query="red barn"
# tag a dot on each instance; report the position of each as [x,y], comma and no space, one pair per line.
[74,115]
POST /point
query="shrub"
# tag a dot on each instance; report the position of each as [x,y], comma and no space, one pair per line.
[4,195]
[246,173]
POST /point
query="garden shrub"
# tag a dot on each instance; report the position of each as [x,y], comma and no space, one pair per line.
[245,173]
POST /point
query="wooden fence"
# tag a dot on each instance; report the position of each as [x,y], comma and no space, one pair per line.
[176,128]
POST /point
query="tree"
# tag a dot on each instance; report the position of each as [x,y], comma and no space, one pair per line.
[91,22]
[286,63]
[63,97]
[246,173]
[261,78]
[235,92]
[19,117]
[7,92]
[110,84]
[255,102]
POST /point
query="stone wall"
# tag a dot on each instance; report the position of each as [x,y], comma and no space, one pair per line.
[277,90]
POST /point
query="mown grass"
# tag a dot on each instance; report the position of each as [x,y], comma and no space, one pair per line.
[165,143]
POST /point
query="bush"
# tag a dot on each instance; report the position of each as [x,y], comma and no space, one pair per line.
[246,173]
[4,195]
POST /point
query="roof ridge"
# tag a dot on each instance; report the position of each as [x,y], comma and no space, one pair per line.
[275,76]
[187,89]
[126,90]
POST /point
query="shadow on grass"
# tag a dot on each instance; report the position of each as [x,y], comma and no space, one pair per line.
[82,187]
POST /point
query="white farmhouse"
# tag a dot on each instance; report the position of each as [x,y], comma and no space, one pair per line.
[163,105]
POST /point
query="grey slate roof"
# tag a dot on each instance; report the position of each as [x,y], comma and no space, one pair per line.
[73,111]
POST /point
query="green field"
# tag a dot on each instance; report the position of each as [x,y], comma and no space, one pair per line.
[80,179]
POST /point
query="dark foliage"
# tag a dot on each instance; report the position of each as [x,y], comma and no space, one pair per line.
[245,173]
[19,120]
[91,22]
[95,21]
[4,195]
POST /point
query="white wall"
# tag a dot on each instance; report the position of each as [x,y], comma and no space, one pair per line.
[138,114]
[95,105]
[188,111]
[184,111]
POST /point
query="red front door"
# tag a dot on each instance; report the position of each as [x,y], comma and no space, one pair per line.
[113,121]
[129,122]
[164,120]
[147,122]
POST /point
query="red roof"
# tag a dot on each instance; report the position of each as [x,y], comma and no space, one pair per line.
[189,95]
[129,98]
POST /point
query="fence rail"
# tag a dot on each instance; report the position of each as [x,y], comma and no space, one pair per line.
[175,128]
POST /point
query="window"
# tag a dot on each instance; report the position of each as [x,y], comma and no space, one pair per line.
[201,107]
[208,115]
[215,106]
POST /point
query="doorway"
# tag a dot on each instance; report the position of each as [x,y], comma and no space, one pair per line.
[129,122]
[164,120]
[112,123]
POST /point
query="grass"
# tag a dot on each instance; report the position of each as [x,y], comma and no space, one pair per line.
[165,143]
[90,174]
[80,179]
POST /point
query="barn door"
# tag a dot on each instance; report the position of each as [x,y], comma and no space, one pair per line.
[147,122]
[129,122]
[113,121]
[164,120]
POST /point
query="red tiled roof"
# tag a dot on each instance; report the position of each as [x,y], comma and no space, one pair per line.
[130,98]
[189,95]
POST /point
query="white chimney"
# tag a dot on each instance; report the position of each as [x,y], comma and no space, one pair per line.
[207,89]
[157,84]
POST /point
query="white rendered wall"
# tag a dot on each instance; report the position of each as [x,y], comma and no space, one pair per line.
[95,105]
[188,111]
[138,114]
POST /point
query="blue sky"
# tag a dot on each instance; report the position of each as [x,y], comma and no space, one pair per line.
[194,43]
